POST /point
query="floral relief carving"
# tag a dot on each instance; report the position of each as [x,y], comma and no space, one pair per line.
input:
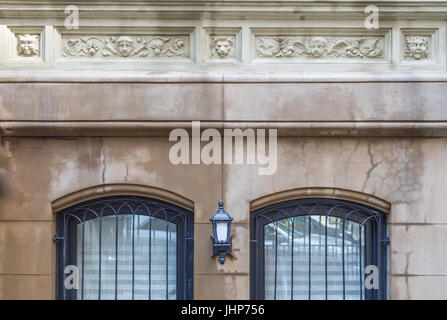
[417,47]
[28,45]
[222,46]
[319,47]
[127,46]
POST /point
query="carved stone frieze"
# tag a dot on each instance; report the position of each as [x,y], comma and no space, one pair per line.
[124,46]
[318,47]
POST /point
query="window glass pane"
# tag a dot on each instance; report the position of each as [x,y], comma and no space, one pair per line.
[284,256]
[158,260]
[124,257]
[172,261]
[142,250]
[317,258]
[108,256]
[89,270]
[91,262]
[352,263]
[147,253]
[321,250]
[362,257]
[335,258]
[301,258]
[79,232]
[270,260]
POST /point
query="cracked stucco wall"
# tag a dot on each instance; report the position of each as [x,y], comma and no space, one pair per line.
[408,172]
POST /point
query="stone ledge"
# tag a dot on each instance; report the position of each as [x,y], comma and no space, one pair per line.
[60,76]
[429,129]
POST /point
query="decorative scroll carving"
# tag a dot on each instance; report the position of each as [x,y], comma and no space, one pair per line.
[127,46]
[28,45]
[222,46]
[417,47]
[319,47]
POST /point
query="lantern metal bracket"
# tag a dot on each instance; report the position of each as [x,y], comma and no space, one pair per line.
[222,249]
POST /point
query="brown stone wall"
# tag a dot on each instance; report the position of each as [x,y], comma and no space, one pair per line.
[406,172]
[59,138]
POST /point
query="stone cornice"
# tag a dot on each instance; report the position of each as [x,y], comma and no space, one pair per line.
[209,9]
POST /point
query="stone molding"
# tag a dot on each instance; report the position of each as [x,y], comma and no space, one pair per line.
[120,189]
[429,129]
[317,192]
[82,76]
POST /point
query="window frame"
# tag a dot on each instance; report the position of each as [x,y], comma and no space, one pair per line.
[66,238]
[375,240]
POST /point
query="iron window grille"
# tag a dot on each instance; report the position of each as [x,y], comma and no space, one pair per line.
[158,221]
[316,249]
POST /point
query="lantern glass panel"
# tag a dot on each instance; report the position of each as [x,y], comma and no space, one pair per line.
[221,231]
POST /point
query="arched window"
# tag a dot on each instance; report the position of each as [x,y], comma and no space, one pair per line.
[317,249]
[125,248]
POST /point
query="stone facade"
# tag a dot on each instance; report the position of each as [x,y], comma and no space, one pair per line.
[362,111]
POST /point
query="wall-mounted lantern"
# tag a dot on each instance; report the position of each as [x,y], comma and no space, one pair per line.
[221,222]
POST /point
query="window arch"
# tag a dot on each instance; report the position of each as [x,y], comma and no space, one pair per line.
[316,248]
[125,247]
